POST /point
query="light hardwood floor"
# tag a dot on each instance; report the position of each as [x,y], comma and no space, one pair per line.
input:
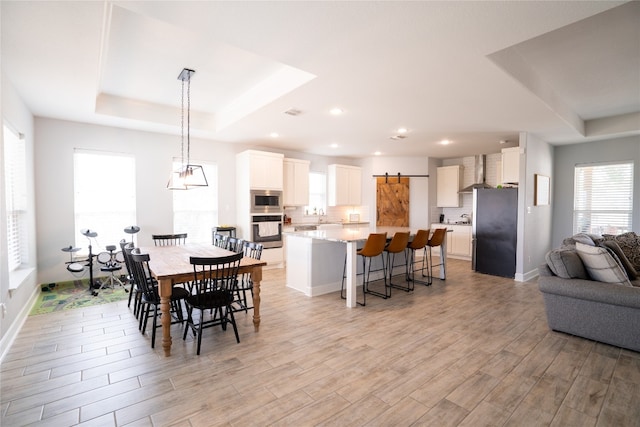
[473,350]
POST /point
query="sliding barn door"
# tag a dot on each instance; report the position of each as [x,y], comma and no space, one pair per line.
[392,202]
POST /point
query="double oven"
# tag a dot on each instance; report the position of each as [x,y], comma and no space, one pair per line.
[266,217]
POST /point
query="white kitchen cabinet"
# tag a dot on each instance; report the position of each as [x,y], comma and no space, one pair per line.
[510,165]
[344,185]
[448,181]
[265,170]
[458,240]
[296,182]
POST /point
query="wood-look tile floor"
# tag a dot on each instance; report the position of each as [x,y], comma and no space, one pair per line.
[473,350]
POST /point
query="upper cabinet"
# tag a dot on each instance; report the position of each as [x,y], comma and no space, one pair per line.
[448,183]
[263,169]
[296,182]
[344,185]
[510,165]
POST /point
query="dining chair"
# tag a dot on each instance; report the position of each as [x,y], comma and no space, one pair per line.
[214,282]
[150,297]
[419,242]
[235,244]
[220,240]
[169,239]
[436,240]
[398,244]
[245,283]
[373,247]
[126,248]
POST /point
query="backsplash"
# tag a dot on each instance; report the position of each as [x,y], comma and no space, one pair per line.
[333,214]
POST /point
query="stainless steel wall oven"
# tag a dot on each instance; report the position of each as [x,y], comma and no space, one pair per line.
[267,229]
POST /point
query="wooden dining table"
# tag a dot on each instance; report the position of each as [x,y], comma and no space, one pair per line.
[170,265]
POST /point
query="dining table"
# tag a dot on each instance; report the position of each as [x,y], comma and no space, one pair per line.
[171,265]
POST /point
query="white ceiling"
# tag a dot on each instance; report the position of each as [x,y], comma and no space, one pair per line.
[471,72]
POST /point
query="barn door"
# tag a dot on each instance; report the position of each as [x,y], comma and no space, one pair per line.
[392,202]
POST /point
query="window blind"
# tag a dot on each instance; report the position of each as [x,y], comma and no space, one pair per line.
[603,198]
[16,198]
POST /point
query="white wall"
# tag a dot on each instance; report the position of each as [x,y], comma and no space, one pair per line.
[568,156]
[534,222]
[55,143]
[18,288]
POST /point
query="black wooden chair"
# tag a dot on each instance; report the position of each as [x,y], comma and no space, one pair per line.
[169,239]
[214,282]
[150,297]
[134,292]
[245,283]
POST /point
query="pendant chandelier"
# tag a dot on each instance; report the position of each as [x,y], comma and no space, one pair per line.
[187,176]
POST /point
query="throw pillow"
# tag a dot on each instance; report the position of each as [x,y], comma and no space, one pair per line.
[630,245]
[628,267]
[601,264]
[565,262]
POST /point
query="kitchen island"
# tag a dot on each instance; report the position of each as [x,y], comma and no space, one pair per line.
[315,259]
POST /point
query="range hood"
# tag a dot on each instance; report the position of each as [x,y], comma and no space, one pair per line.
[478,175]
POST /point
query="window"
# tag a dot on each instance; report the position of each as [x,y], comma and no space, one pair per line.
[317,193]
[603,198]
[104,196]
[195,211]
[15,178]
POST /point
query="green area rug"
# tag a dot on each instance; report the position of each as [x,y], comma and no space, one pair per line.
[74,294]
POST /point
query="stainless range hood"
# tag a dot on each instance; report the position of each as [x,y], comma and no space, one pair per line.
[478,174]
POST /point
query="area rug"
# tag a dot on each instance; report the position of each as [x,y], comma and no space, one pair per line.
[74,294]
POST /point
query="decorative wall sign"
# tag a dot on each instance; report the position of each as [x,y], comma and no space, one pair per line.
[541,190]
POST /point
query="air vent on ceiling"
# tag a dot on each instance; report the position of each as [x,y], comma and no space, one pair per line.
[293,112]
[397,137]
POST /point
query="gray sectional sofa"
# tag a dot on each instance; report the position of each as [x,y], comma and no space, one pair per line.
[592,289]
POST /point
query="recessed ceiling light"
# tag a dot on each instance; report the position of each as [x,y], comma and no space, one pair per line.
[336,111]
[274,134]
[402,130]
[334,145]
[377,153]
[445,142]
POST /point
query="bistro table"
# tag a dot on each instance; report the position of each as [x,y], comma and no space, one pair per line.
[170,264]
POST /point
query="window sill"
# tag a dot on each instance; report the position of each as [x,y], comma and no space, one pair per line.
[18,277]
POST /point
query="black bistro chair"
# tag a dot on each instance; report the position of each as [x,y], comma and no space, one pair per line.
[214,282]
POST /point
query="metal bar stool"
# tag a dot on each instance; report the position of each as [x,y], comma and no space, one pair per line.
[373,247]
[397,245]
[436,240]
[418,242]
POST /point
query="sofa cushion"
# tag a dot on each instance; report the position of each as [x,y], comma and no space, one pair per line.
[626,264]
[630,245]
[566,263]
[584,238]
[601,264]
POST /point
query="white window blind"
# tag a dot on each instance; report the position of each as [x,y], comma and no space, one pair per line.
[16,198]
[195,211]
[104,196]
[603,198]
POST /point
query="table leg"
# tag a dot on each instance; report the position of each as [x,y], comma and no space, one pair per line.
[165,309]
[351,273]
[256,276]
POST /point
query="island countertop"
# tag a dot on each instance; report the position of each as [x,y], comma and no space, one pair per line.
[348,234]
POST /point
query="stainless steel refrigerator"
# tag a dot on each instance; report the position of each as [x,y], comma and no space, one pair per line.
[495,231]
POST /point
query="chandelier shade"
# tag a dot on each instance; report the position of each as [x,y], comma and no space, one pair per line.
[188,175]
